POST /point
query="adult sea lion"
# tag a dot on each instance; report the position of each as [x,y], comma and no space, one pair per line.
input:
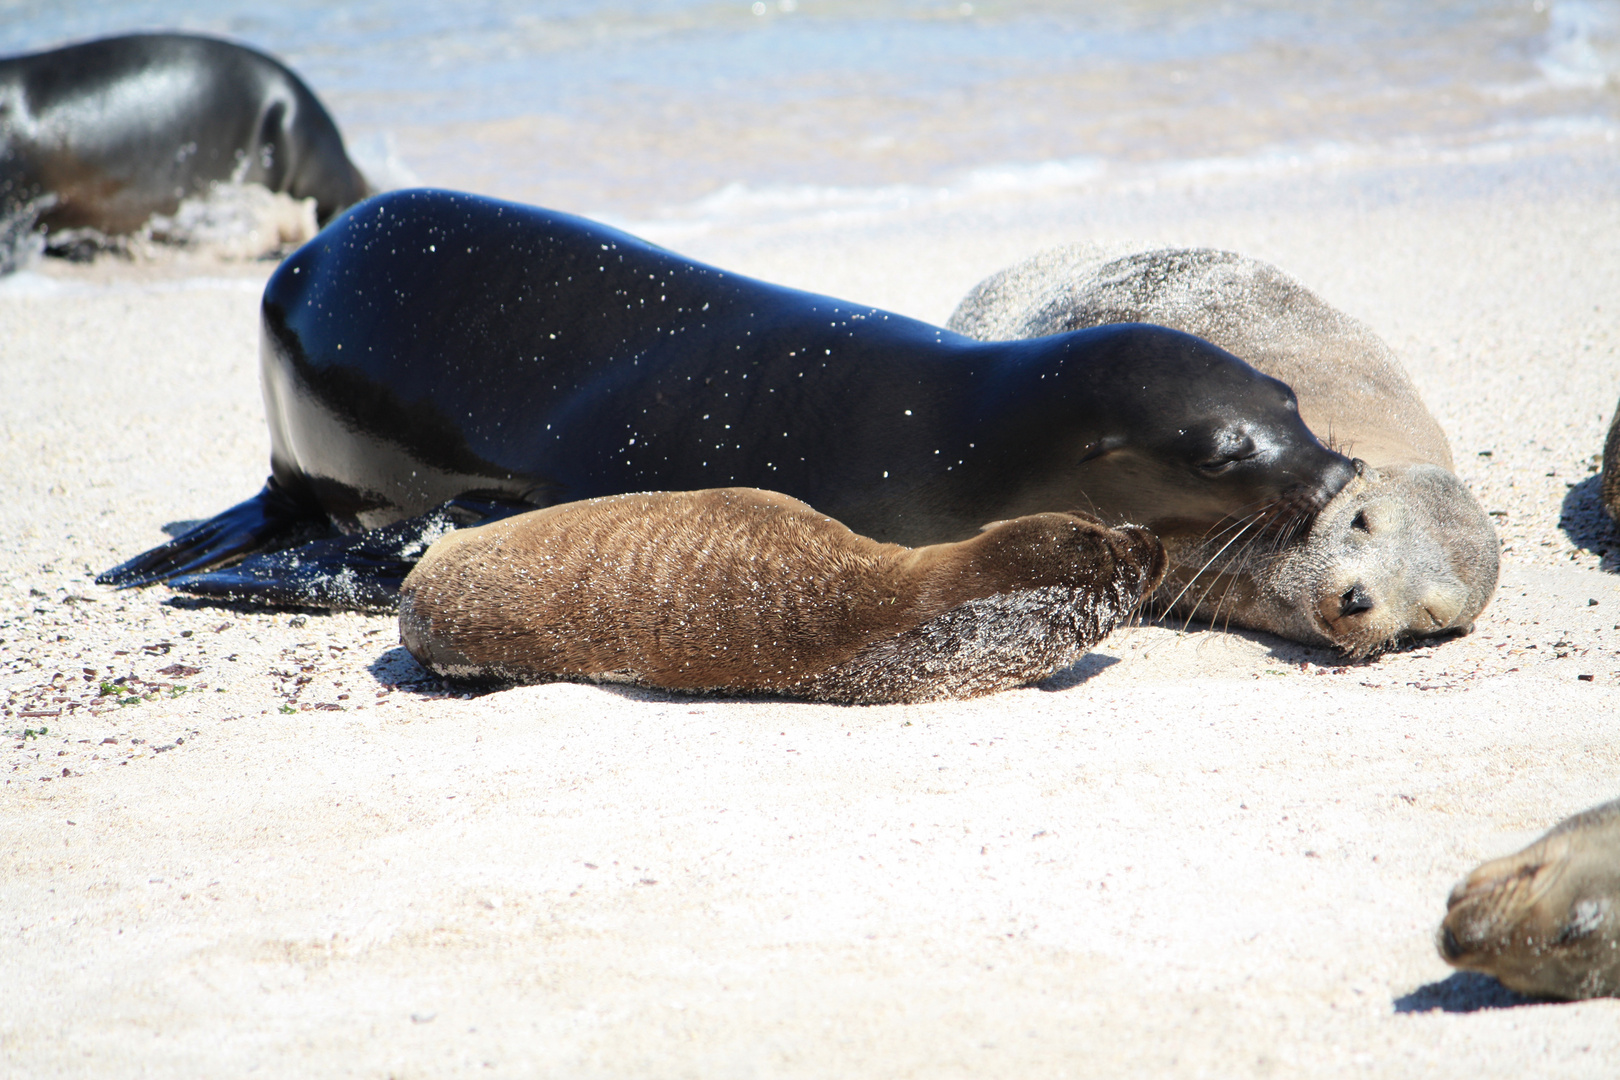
[748,591]
[430,345]
[1404,551]
[1545,921]
[102,135]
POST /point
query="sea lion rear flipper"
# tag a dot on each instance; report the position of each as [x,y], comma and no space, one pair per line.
[361,572]
[272,518]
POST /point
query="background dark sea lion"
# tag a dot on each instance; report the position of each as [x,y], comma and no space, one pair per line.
[430,345]
[1404,551]
[1546,920]
[103,135]
[746,591]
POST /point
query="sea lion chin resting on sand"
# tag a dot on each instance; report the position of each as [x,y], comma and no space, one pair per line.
[1545,921]
[1404,551]
[430,345]
[748,591]
[104,134]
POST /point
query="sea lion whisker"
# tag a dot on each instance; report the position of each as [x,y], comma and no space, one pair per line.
[1237,519]
[1261,549]
[1235,567]
[1133,620]
[1231,573]
[1266,512]
[1232,532]
[1206,565]
[1283,538]
[1270,508]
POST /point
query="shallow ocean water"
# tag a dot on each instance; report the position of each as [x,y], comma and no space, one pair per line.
[696,108]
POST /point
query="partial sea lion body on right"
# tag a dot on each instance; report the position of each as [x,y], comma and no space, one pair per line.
[1545,921]
[1611,468]
[744,591]
[1404,551]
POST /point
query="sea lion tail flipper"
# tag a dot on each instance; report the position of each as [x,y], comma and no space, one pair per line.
[272,518]
[361,572]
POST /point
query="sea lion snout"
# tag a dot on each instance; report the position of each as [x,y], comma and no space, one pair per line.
[1496,905]
[1403,552]
[1543,920]
[1369,606]
[1450,948]
[1325,473]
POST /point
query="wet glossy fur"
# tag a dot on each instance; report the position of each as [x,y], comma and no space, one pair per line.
[430,345]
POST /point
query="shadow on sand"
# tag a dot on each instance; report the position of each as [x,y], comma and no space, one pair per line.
[1583,519]
[1072,676]
[397,669]
[1463,992]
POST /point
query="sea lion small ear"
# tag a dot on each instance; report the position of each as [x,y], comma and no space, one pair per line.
[987,526]
[1101,447]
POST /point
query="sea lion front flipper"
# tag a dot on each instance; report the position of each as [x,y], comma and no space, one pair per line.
[361,572]
[272,518]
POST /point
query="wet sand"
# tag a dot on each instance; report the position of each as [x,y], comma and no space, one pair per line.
[278,845]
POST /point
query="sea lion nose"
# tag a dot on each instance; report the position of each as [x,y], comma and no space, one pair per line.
[1354,601]
[1337,471]
[1450,947]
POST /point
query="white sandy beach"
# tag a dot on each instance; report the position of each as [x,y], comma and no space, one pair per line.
[1195,854]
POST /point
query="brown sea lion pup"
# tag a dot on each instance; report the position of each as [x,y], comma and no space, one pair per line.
[747,591]
[1545,921]
[1403,551]
[1611,468]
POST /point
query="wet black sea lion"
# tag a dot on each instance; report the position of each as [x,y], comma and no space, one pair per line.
[1545,921]
[431,345]
[745,591]
[1404,551]
[104,134]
